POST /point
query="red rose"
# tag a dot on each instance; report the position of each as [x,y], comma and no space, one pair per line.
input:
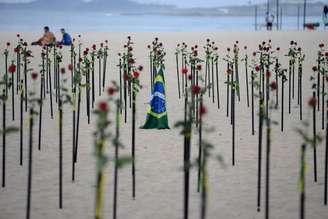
[140,67]
[273,85]
[131,61]
[62,71]
[94,46]
[314,68]
[254,53]
[126,77]
[326,54]
[199,67]
[202,109]
[148,46]
[195,89]
[70,67]
[278,48]
[103,106]
[12,68]
[34,75]
[228,49]
[129,37]
[16,50]
[312,102]
[268,74]
[136,74]
[321,45]
[111,91]
[8,43]
[85,52]
[80,59]
[184,70]
[189,77]
[18,35]
[25,43]
[196,46]
[257,68]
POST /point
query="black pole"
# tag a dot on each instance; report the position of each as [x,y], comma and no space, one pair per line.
[133,139]
[314,142]
[304,14]
[302,183]
[21,122]
[4,137]
[326,158]
[40,112]
[60,153]
[261,113]
[30,156]
[178,76]
[117,135]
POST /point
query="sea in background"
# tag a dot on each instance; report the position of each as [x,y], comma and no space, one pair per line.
[28,20]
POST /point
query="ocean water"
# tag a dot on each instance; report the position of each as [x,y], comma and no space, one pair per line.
[14,20]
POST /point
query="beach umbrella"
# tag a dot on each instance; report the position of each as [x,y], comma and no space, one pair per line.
[157,114]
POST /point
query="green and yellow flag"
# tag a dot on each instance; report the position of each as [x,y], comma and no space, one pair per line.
[157,114]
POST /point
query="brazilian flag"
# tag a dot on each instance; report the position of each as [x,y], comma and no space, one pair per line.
[157,115]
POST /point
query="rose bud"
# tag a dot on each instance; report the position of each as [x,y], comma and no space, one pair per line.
[25,43]
[111,91]
[196,46]
[312,102]
[140,67]
[268,74]
[80,59]
[278,48]
[199,67]
[106,41]
[34,75]
[245,47]
[195,89]
[257,68]
[202,109]
[184,70]
[18,35]
[326,54]
[237,42]
[314,68]
[70,67]
[8,44]
[254,53]
[126,77]
[156,38]
[292,42]
[208,40]
[148,46]
[16,50]
[12,68]
[103,106]
[62,70]
[94,47]
[273,85]
[136,74]
[321,45]
[228,49]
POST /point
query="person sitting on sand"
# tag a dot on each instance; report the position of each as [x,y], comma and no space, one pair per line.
[47,39]
[66,40]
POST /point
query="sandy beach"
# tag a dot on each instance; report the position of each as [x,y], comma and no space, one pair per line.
[159,153]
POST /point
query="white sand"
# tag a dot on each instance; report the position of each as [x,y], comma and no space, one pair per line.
[160,153]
